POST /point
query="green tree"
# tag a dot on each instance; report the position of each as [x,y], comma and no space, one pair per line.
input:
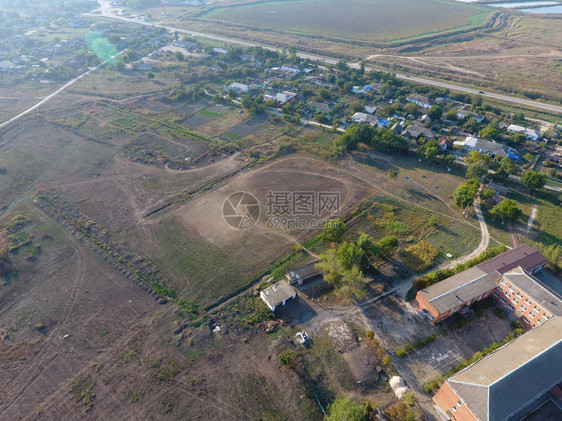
[352,284]
[471,125]
[449,159]
[334,230]
[477,100]
[435,112]
[533,180]
[150,75]
[507,210]
[431,153]
[451,115]
[477,156]
[490,132]
[344,410]
[507,167]
[386,140]
[368,246]
[487,193]
[387,245]
[342,65]
[287,357]
[517,139]
[477,170]
[465,193]
[347,282]
[357,133]
[350,254]
[392,173]
[412,108]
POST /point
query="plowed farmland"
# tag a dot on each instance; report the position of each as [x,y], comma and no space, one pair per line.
[378,20]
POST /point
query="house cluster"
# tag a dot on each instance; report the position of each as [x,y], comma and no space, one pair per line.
[505,383]
[530,134]
[12,59]
[473,143]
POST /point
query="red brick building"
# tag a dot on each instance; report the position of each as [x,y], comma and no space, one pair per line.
[456,293]
[528,299]
[505,384]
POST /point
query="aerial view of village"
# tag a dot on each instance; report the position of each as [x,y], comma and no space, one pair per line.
[278,210]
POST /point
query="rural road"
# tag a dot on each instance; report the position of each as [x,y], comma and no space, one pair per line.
[547,186]
[105,10]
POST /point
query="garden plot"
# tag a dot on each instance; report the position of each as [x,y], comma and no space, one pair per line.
[245,129]
[154,142]
[177,149]
[218,109]
[192,107]
[199,119]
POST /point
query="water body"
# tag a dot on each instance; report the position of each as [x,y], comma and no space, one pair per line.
[550,6]
[517,5]
[543,10]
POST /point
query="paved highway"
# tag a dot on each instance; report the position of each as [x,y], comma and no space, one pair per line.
[106,12]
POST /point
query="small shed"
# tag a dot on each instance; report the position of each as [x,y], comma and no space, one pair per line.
[278,294]
[500,190]
[303,273]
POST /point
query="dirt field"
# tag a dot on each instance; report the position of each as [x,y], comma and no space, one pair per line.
[397,323]
[213,253]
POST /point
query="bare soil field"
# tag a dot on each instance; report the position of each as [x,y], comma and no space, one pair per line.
[197,248]
[509,59]
[83,307]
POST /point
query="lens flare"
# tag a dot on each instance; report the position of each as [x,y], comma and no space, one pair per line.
[101,47]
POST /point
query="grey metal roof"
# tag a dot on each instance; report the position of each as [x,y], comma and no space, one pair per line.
[277,293]
[307,271]
[524,256]
[451,283]
[508,379]
[535,289]
[466,292]
[494,147]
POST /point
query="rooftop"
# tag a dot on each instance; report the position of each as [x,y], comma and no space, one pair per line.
[524,256]
[501,384]
[277,293]
[421,98]
[305,271]
[535,289]
[460,289]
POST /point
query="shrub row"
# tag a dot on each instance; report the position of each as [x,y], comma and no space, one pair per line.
[420,343]
[432,385]
[441,274]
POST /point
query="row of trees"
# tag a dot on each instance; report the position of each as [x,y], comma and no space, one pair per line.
[383,139]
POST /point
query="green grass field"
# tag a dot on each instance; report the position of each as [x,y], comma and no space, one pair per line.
[370,20]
